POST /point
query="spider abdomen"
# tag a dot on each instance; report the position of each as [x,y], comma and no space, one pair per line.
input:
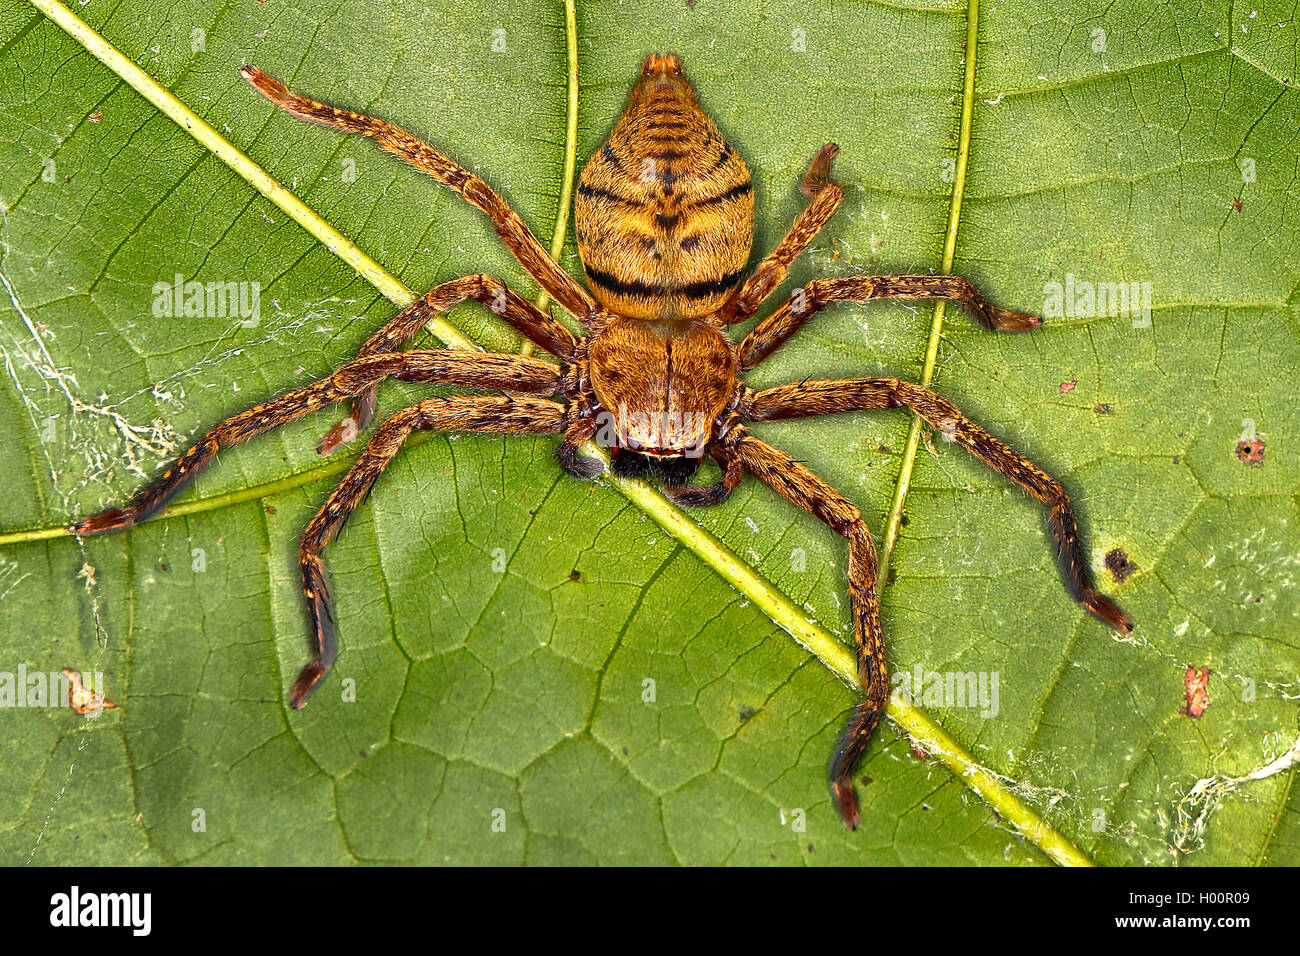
[665,209]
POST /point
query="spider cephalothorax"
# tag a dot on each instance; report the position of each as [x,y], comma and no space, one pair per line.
[664,222]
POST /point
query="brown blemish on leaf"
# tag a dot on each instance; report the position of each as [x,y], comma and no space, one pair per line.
[1251,452]
[1119,564]
[1196,684]
[1102,409]
[1068,386]
[81,698]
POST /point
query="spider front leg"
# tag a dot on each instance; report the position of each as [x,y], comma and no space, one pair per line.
[479,413]
[850,395]
[791,479]
[473,369]
[769,334]
[519,239]
[518,312]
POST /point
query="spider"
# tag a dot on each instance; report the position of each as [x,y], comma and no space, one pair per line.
[664,218]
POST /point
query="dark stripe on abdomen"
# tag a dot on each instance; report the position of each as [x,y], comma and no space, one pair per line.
[612,159]
[693,290]
[740,189]
[595,192]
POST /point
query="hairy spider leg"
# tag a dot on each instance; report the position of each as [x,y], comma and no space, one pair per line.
[514,232]
[477,413]
[771,332]
[796,483]
[517,311]
[826,197]
[849,395]
[811,398]
[473,369]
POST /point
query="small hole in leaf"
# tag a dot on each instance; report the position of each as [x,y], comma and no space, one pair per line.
[1119,564]
[1251,452]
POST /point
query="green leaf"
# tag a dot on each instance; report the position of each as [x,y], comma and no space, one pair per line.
[519,695]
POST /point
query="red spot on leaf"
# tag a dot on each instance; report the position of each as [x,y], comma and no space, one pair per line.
[1196,683]
[1251,452]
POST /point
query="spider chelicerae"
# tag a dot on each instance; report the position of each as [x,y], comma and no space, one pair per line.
[664,217]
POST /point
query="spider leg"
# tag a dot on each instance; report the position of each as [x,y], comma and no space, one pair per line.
[472,369]
[826,197]
[768,335]
[519,239]
[789,478]
[478,413]
[517,311]
[848,395]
